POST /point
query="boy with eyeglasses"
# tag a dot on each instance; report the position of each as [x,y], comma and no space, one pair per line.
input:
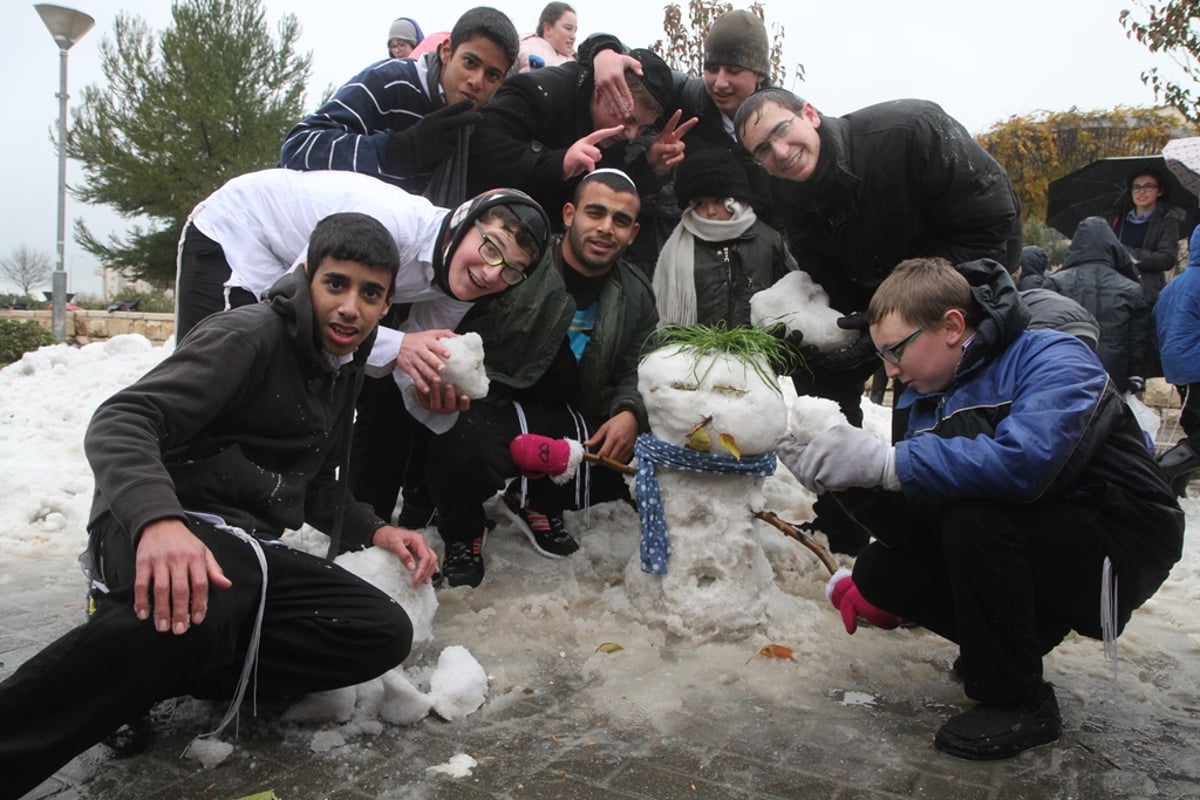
[856,195]
[1020,504]
[565,365]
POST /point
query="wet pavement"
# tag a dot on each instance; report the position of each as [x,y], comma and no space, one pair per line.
[553,742]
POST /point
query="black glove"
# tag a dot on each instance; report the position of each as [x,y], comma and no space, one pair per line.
[854,355]
[799,354]
[853,322]
[423,146]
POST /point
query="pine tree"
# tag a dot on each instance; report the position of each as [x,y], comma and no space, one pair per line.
[183,111]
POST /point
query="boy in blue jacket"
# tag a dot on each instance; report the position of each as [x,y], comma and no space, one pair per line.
[1020,504]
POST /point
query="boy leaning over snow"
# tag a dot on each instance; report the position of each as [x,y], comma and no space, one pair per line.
[1020,504]
[200,466]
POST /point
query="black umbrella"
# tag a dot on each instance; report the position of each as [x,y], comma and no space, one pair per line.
[1102,187]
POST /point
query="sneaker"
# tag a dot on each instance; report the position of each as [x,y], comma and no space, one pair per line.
[546,533]
[992,731]
[463,564]
[1180,464]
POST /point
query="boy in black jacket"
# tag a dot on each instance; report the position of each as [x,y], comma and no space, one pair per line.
[200,466]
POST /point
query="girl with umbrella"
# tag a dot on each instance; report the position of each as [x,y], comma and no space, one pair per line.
[1148,227]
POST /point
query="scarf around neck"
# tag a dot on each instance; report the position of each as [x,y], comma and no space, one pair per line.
[674,276]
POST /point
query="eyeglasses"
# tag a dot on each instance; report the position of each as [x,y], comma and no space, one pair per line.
[893,354]
[493,257]
[1145,187]
[764,149]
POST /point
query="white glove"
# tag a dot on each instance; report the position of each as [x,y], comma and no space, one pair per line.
[842,458]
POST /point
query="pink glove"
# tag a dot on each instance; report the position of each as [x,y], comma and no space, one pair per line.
[540,456]
[845,597]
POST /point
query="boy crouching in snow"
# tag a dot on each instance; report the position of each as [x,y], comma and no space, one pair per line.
[1020,504]
[200,466]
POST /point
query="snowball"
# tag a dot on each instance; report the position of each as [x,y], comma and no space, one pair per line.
[403,703]
[209,752]
[799,303]
[458,766]
[459,684]
[464,367]
[812,416]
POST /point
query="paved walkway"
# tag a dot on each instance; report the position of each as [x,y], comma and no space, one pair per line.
[1137,738]
[554,742]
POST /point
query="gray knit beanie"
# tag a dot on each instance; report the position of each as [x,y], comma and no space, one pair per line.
[738,39]
[404,30]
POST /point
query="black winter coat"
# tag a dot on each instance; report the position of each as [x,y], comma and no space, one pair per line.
[893,181]
[529,124]
[1159,253]
[1098,274]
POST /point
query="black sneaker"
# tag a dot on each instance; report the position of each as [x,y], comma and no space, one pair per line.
[463,564]
[545,533]
[992,731]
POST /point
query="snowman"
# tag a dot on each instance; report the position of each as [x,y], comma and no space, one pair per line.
[715,417]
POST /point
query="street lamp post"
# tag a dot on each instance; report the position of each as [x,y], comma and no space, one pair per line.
[67,26]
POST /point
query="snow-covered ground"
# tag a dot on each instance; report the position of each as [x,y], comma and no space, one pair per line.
[533,614]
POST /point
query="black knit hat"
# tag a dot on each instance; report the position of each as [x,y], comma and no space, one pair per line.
[711,173]
[657,77]
[738,38]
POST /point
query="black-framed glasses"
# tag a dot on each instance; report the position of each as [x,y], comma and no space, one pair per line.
[766,147]
[1145,187]
[494,257]
[893,354]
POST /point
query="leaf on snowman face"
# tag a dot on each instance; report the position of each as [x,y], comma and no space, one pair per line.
[730,445]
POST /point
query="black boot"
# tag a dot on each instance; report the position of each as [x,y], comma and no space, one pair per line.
[991,731]
[1180,464]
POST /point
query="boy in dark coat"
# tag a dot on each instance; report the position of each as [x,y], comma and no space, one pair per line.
[200,466]
[860,193]
[1020,504]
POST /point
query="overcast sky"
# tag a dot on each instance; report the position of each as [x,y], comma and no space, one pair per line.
[983,62]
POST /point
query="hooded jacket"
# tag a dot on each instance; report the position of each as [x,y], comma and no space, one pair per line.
[248,419]
[893,181]
[1177,321]
[1032,415]
[1098,274]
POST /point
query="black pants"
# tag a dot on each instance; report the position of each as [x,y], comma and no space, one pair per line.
[471,462]
[323,628]
[1006,582]
[387,449]
[200,282]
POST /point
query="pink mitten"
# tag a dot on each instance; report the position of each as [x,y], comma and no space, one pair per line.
[540,456]
[845,597]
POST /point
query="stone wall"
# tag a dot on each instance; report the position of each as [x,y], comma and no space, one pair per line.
[84,327]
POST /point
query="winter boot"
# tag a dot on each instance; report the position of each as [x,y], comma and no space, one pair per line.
[992,731]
